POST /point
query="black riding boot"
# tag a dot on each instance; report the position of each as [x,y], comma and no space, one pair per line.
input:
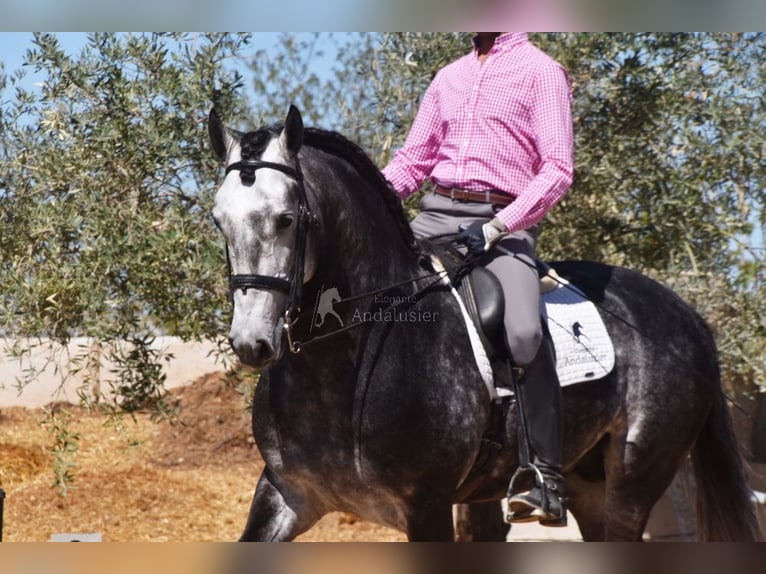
[545,423]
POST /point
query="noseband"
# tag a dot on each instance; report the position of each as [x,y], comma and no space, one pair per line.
[293,286]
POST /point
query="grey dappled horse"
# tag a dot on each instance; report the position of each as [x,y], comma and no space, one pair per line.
[384,418]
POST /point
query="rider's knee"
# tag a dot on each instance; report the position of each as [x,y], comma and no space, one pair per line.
[524,344]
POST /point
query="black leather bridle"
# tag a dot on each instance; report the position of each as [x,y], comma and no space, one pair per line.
[293,286]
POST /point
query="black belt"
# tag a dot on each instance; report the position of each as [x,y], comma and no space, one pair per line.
[488,196]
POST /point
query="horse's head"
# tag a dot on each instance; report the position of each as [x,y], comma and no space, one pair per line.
[261,210]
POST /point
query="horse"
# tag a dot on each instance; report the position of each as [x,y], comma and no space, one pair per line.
[384,417]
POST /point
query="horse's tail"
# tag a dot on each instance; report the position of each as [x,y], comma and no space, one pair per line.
[725,508]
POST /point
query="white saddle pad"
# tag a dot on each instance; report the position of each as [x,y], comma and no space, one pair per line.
[584,350]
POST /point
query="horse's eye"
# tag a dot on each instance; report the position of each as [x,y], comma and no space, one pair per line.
[285,220]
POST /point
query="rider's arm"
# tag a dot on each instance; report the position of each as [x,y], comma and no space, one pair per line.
[551,122]
[413,163]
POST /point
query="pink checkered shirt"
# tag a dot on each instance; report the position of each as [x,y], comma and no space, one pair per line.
[504,125]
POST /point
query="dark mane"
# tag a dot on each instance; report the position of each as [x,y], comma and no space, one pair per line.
[338,145]
[254,143]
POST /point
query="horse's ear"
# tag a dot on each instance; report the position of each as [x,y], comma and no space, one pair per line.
[221,137]
[292,135]
[216,131]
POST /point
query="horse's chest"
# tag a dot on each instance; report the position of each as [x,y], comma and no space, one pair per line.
[295,431]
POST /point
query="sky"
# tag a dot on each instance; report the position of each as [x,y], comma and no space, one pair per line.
[13,46]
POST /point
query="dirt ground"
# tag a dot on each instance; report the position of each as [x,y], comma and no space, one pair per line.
[188,480]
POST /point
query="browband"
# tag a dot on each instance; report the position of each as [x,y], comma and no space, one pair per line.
[252,164]
[245,282]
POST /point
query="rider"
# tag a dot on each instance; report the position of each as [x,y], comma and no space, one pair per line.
[494,135]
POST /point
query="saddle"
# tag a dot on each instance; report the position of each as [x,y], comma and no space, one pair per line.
[483,297]
[484,301]
[569,319]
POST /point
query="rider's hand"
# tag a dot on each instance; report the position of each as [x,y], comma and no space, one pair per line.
[481,237]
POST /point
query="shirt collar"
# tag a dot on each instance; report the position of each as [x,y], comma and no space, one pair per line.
[506,41]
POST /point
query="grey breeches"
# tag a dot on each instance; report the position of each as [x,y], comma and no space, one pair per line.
[516,272]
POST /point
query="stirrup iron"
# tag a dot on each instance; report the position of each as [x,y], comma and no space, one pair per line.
[530,467]
[547,505]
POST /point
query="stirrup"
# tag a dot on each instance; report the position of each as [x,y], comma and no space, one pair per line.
[510,516]
[551,510]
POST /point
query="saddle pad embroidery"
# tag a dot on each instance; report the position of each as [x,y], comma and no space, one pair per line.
[584,350]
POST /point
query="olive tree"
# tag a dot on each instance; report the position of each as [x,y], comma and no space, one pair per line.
[106,177]
[106,181]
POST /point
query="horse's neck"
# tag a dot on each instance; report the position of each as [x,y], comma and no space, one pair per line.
[361,244]
[371,263]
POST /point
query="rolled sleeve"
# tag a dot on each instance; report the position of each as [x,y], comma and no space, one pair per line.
[552,126]
[414,162]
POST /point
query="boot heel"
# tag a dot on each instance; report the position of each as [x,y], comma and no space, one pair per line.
[559,522]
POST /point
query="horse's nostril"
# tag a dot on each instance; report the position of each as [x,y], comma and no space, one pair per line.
[262,352]
[255,354]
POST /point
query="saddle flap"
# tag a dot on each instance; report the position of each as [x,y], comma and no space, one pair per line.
[482,295]
[490,303]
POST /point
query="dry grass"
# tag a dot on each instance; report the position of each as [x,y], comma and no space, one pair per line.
[190,480]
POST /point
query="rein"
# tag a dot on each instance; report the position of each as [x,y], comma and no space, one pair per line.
[454,271]
[293,287]
[439,274]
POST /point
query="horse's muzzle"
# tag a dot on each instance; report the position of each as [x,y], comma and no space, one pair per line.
[256,354]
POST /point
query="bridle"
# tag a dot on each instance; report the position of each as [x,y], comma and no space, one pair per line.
[293,286]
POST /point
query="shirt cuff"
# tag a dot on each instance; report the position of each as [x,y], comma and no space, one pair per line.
[398,181]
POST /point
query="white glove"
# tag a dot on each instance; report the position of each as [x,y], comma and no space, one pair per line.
[494,231]
[480,238]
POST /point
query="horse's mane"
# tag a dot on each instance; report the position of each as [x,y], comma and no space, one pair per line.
[333,143]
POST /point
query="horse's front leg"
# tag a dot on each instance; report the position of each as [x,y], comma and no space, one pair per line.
[431,521]
[277,514]
[480,522]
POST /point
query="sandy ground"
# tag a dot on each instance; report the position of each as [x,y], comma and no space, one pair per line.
[59,380]
[189,479]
